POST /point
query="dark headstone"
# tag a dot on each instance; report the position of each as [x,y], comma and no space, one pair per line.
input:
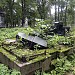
[58,28]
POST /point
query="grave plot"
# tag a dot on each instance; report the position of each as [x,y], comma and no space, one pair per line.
[23,54]
[15,56]
[28,53]
[25,60]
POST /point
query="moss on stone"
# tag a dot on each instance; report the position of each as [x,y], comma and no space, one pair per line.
[65,49]
[39,58]
[28,53]
[7,54]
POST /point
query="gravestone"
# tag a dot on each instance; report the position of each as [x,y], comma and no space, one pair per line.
[33,39]
[58,28]
[2,19]
[26,22]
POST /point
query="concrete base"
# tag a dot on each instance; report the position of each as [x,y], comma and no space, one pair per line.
[26,68]
[30,68]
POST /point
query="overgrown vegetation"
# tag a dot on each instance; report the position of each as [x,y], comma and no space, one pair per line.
[37,14]
[4,70]
[63,66]
[12,32]
[55,43]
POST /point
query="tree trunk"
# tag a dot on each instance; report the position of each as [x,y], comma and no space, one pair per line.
[58,10]
[23,11]
[61,15]
[55,11]
[65,15]
[11,4]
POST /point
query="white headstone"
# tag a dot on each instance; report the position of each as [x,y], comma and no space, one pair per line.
[26,22]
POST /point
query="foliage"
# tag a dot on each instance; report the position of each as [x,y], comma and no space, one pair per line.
[14,11]
[42,8]
[56,40]
[65,40]
[5,71]
[42,24]
[12,32]
[37,72]
[52,42]
[64,65]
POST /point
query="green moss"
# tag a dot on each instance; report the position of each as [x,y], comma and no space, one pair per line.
[39,58]
[65,49]
[8,55]
[51,50]
[31,53]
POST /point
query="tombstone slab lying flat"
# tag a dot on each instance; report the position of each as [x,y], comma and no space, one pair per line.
[10,40]
[40,41]
[22,35]
[34,39]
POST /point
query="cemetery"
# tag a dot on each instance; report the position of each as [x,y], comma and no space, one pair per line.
[28,52]
[37,37]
